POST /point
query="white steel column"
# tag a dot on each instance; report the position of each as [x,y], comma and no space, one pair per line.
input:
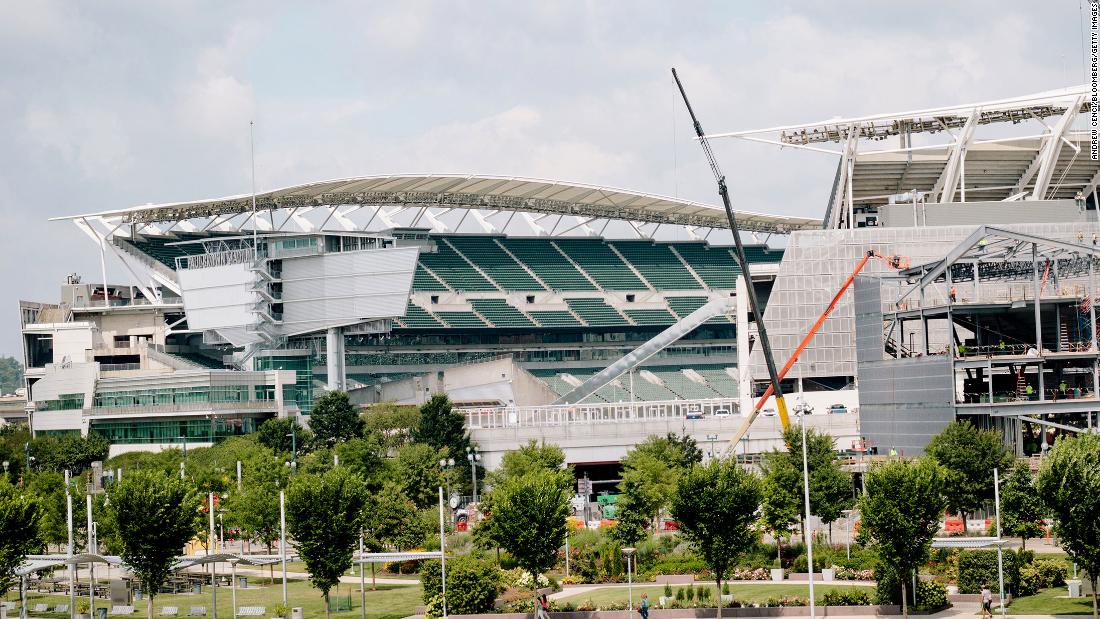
[337,371]
[744,383]
[1048,156]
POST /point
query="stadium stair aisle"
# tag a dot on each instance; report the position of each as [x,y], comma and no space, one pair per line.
[546,261]
[597,259]
[423,280]
[715,265]
[500,313]
[494,262]
[658,265]
[596,312]
[683,386]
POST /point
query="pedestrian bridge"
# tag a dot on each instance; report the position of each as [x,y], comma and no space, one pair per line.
[597,433]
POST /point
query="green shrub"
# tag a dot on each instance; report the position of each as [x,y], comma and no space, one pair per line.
[433,607]
[931,595]
[704,595]
[680,595]
[978,568]
[1040,574]
[846,598]
[668,590]
[471,584]
[725,588]
[691,593]
[676,564]
[887,587]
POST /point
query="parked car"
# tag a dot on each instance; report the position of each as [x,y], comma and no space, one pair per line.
[695,414]
[838,409]
[768,412]
[722,412]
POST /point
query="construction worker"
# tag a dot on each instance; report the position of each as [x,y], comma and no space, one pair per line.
[962,349]
[1001,347]
[951,294]
[1062,386]
[1030,391]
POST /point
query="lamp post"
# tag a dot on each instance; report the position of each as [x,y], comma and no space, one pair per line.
[848,540]
[446,465]
[802,410]
[474,459]
[712,438]
[293,434]
[629,552]
[183,461]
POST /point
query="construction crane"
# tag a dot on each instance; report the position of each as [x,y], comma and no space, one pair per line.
[754,303]
[893,262]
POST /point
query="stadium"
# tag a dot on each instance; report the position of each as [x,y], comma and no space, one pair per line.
[515,295]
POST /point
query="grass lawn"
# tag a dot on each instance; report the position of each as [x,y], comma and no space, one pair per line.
[1051,602]
[389,601]
[744,593]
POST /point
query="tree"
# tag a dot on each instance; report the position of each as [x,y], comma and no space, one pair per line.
[529,519]
[392,424]
[154,514]
[900,513]
[275,434]
[715,506]
[324,515]
[968,456]
[364,457]
[11,375]
[443,427]
[650,471]
[830,486]
[1022,509]
[391,520]
[782,498]
[1070,487]
[530,457]
[72,452]
[19,514]
[334,418]
[417,470]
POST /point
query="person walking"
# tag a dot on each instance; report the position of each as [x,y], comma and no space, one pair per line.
[987,602]
[543,607]
[643,608]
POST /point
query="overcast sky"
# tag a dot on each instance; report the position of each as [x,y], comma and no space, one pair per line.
[114,104]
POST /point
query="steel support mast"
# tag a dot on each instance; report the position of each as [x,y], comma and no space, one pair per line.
[754,304]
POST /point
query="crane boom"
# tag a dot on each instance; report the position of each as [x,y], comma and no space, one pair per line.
[798,351]
[754,304]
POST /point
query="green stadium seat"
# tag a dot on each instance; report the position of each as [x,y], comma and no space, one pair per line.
[423,281]
[451,268]
[417,317]
[719,380]
[461,319]
[602,264]
[547,262]
[500,313]
[657,263]
[683,386]
[495,262]
[596,312]
[651,316]
[682,306]
[554,318]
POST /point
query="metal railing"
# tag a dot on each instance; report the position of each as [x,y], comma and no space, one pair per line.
[617,412]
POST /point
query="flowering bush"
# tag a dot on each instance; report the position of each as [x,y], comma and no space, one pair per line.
[573,579]
[521,579]
[743,573]
[847,573]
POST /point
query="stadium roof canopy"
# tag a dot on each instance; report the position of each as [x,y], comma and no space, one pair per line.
[1021,148]
[383,197]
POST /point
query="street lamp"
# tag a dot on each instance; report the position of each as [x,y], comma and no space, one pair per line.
[629,552]
[474,458]
[293,434]
[848,540]
[801,410]
[712,438]
[445,465]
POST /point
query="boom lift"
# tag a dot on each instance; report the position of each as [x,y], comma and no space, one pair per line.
[893,262]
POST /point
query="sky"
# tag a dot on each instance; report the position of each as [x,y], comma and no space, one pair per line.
[114,104]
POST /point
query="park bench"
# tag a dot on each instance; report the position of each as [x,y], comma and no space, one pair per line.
[61,609]
[122,610]
[197,611]
[169,611]
[41,608]
[251,611]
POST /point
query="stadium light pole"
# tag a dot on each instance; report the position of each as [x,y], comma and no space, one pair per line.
[474,458]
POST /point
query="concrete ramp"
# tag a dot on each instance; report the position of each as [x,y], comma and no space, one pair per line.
[648,349]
